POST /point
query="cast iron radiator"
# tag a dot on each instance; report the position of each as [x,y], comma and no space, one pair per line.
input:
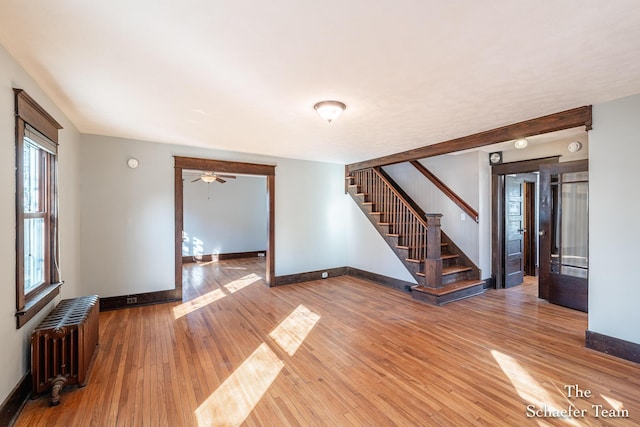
[62,346]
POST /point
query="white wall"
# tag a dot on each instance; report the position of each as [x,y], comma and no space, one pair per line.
[15,354]
[614,205]
[310,220]
[367,250]
[128,214]
[484,212]
[225,218]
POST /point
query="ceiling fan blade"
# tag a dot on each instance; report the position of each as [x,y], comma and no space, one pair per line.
[227,176]
[197,179]
[220,180]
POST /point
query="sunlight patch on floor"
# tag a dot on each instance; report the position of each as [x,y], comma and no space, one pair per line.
[615,404]
[234,400]
[197,303]
[243,282]
[205,263]
[527,387]
[292,331]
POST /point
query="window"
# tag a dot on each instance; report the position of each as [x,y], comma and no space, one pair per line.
[37,267]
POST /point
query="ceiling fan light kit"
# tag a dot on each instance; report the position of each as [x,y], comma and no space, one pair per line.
[210,177]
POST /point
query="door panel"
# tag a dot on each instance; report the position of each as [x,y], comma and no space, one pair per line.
[513,262]
[564,209]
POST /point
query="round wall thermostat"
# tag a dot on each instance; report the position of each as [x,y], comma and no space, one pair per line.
[574,146]
[132,163]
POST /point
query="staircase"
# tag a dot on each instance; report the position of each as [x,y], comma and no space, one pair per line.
[442,271]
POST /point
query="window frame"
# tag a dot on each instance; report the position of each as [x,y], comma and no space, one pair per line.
[29,113]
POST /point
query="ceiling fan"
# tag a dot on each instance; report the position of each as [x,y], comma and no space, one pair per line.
[210,177]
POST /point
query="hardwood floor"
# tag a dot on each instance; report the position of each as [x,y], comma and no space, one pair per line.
[340,351]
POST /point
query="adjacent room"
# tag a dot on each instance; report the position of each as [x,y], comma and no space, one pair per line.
[390,213]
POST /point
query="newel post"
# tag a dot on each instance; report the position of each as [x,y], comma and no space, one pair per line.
[433,262]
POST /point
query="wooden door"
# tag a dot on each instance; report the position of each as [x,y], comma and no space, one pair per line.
[514,231]
[564,233]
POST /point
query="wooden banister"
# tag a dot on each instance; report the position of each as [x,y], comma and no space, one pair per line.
[446,190]
[420,218]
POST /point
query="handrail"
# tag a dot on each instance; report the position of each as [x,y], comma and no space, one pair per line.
[446,190]
[422,220]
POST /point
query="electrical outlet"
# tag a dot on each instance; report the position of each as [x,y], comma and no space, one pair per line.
[132,300]
[463,217]
[325,274]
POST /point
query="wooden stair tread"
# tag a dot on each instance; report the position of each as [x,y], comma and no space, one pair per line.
[454,269]
[448,288]
[393,235]
[444,256]
[450,270]
[410,247]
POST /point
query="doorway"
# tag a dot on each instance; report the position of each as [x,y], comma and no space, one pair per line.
[520,225]
[514,226]
[219,166]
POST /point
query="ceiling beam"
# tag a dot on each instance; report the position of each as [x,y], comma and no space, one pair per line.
[224,166]
[554,122]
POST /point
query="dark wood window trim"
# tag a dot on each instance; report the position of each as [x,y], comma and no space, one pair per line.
[28,112]
[269,171]
[568,119]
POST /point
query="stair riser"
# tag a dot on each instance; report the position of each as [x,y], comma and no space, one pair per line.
[465,293]
[383,229]
[451,297]
[402,253]
[454,277]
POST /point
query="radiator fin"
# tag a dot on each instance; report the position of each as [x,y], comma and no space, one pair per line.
[63,344]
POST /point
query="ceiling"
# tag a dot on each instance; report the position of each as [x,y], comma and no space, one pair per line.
[244,75]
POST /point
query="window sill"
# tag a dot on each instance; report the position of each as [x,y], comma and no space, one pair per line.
[37,303]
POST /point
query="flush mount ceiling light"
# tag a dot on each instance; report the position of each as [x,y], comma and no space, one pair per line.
[330,110]
[521,143]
